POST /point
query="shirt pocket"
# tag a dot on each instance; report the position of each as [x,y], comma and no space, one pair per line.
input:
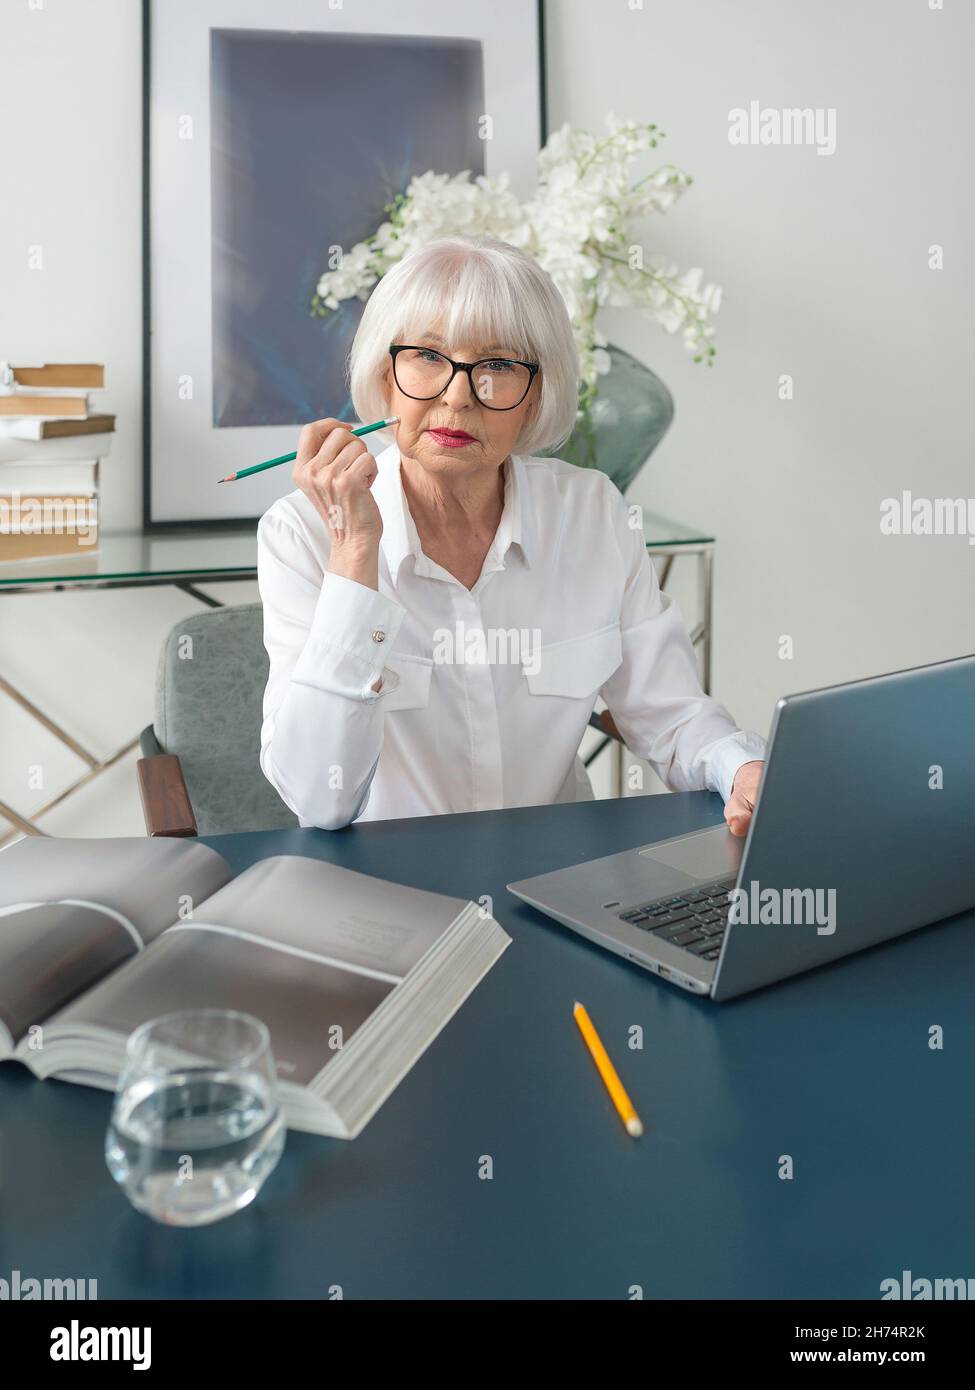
[413,691]
[577,666]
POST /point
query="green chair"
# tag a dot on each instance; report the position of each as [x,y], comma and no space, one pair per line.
[200,772]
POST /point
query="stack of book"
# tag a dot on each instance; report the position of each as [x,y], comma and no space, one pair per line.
[51,443]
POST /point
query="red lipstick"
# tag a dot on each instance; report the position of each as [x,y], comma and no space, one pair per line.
[452,439]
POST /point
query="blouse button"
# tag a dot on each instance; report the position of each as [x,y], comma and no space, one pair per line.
[378,635]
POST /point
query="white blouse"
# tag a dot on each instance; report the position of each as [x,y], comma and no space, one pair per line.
[486,693]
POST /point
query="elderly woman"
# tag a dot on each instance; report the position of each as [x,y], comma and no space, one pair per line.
[440,618]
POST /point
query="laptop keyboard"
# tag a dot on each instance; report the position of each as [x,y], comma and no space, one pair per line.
[695,921]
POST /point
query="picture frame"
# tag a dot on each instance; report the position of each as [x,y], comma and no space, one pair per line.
[240,210]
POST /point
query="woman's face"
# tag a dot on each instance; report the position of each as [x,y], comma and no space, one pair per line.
[493,432]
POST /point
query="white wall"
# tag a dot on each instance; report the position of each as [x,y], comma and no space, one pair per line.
[71,113]
[824,261]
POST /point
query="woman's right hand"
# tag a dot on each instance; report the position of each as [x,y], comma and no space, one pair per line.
[335,470]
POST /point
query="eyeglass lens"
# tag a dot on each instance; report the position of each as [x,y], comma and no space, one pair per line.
[498,383]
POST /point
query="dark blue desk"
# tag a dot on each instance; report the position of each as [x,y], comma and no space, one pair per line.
[832,1068]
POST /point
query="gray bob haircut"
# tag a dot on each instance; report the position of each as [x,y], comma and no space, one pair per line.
[477,291]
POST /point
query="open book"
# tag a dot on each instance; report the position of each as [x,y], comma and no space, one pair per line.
[353,975]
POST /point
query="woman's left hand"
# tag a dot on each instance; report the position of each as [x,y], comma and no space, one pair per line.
[744,793]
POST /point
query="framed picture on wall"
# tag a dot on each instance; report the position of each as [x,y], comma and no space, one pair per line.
[273,135]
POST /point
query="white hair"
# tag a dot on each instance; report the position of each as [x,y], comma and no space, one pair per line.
[478,290]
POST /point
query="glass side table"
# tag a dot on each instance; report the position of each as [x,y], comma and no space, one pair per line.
[122,560]
[125,559]
[667,541]
[185,558]
[671,540]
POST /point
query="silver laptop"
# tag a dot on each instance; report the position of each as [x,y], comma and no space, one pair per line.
[863,831]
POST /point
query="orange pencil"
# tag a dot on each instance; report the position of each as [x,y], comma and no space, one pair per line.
[607,1071]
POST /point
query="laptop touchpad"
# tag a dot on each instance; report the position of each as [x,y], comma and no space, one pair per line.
[714,854]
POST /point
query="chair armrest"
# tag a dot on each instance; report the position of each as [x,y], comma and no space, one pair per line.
[148,743]
[165,800]
[606,724]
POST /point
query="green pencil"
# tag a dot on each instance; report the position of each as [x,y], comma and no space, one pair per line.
[290,458]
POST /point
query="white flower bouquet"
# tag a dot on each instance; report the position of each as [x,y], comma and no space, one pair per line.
[579,227]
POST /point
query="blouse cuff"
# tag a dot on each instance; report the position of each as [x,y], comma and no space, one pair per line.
[352,630]
[727,755]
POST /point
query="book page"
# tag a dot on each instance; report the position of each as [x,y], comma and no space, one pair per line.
[123,893]
[151,882]
[311,1009]
[354,919]
[309,948]
[51,954]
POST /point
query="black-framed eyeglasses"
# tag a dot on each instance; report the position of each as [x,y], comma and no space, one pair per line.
[422,373]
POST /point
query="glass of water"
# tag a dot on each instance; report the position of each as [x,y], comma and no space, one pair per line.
[196,1127]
